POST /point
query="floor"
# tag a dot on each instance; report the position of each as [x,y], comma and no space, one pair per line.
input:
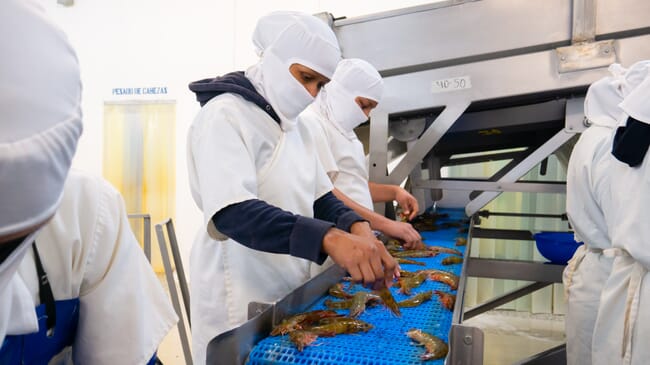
[511,336]
[170,350]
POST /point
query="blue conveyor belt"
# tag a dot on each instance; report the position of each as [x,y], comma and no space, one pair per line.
[387,342]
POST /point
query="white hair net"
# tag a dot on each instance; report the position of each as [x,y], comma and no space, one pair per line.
[40,118]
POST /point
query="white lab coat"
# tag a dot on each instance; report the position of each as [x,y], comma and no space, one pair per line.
[236,153]
[89,252]
[626,293]
[587,188]
[17,315]
[342,156]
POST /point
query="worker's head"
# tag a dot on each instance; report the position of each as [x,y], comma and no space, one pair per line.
[603,97]
[40,121]
[635,75]
[298,55]
[632,138]
[355,90]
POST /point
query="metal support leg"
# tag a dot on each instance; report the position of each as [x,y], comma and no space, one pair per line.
[146,245]
[147,237]
[503,299]
[173,292]
[466,345]
[180,271]
[429,139]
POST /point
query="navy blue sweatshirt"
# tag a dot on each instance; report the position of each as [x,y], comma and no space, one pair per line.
[631,142]
[259,225]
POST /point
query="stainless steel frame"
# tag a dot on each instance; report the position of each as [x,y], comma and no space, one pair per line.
[503,299]
[456,32]
[233,347]
[520,170]
[511,269]
[506,52]
[146,221]
[466,342]
[183,316]
[518,63]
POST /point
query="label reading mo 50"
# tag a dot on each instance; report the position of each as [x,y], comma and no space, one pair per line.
[451,84]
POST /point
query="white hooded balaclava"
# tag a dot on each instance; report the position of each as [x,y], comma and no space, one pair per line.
[603,97]
[632,138]
[636,91]
[40,123]
[282,39]
[336,102]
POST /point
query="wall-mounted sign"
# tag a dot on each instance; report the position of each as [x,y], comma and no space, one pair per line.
[128,91]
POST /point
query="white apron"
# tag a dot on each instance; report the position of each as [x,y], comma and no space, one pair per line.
[227,275]
[583,280]
[342,157]
[619,325]
[622,330]
[588,201]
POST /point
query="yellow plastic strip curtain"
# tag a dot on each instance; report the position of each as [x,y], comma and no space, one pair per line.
[140,160]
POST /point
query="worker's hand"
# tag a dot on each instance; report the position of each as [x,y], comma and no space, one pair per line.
[404,232]
[364,258]
[362,228]
[408,203]
[415,245]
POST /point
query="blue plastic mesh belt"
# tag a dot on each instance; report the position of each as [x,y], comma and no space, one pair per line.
[387,342]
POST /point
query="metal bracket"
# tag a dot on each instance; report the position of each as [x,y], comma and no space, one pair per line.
[428,140]
[584,53]
[585,56]
[406,130]
[255,308]
[466,345]
[574,117]
[326,17]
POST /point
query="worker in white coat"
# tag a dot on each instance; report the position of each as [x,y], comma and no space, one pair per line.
[588,179]
[74,285]
[101,297]
[622,329]
[343,104]
[40,125]
[270,219]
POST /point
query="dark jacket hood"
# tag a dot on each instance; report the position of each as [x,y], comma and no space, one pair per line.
[235,83]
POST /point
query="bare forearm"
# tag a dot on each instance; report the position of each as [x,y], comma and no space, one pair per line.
[389,193]
[377,221]
[382,192]
[402,231]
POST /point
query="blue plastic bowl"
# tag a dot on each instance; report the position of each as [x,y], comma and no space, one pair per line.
[557,247]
